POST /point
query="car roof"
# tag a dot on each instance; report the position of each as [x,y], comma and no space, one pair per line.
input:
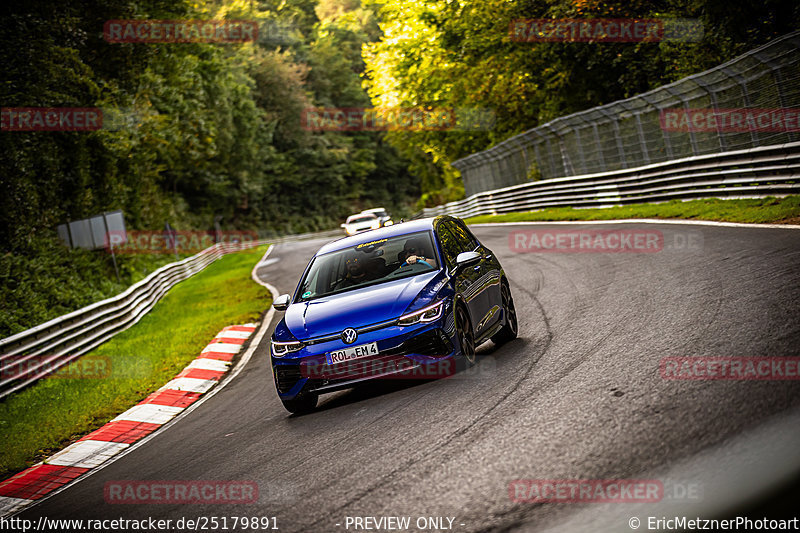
[403,228]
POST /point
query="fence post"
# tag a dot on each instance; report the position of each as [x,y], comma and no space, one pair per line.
[754,139]
[615,123]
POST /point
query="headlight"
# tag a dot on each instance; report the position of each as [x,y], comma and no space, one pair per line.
[427,314]
[280,349]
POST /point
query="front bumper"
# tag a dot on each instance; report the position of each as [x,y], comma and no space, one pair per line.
[424,351]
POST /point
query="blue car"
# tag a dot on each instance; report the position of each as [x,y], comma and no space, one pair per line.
[409,300]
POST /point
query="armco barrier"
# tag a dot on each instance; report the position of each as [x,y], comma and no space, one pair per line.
[752,173]
[43,349]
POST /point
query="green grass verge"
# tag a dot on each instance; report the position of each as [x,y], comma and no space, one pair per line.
[55,411]
[759,210]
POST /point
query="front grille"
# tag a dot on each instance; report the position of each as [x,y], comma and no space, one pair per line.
[360,330]
[286,376]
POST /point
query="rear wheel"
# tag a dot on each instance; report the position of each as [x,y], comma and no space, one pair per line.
[301,404]
[509,330]
[465,337]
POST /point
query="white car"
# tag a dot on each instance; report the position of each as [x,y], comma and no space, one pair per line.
[380,212]
[361,222]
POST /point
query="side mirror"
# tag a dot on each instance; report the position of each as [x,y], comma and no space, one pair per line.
[465,259]
[281,303]
[342,225]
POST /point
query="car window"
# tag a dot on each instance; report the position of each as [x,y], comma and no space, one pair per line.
[367,264]
[454,240]
[462,228]
[450,244]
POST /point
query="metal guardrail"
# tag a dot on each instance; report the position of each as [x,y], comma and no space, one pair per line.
[34,353]
[751,173]
[630,133]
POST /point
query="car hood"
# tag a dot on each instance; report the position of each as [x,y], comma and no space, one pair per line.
[354,309]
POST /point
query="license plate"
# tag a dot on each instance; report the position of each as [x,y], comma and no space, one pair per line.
[354,352]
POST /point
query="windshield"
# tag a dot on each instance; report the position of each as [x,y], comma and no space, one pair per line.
[369,264]
[359,220]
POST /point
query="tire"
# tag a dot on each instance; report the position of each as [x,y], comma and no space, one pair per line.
[465,336]
[301,404]
[509,330]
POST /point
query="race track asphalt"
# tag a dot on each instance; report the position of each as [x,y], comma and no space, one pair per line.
[579,395]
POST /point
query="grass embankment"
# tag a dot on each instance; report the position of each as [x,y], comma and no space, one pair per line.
[760,210]
[55,411]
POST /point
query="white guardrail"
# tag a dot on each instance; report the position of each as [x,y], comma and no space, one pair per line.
[751,173]
[34,353]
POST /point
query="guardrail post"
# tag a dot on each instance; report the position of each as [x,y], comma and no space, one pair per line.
[599,147]
[521,149]
[582,157]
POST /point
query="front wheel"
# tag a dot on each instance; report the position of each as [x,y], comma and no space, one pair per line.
[301,404]
[465,337]
[509,330]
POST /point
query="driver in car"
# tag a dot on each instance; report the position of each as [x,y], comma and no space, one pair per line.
[412,253]
[356,273]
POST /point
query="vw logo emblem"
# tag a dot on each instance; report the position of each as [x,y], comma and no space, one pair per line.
[349,336]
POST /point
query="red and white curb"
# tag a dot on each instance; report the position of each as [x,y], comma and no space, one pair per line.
[150,414]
